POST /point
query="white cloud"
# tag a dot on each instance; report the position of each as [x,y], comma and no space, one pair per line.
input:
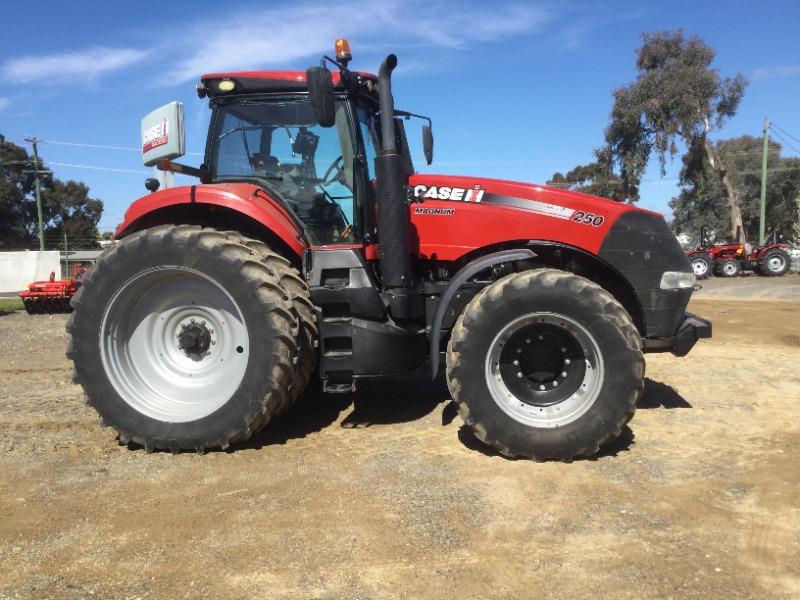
[87,63]
[271,37]
[282,36]
[778,72]
[4,102]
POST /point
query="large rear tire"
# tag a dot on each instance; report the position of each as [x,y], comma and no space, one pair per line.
[291,281]
[182,339]
[545,364]
[775,263]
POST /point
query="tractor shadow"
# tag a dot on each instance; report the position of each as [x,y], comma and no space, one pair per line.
[656,395]
[382,401]
[661,395]
[408,397]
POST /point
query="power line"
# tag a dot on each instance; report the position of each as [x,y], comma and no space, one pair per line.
[784,131]
[95,168]
[785,141]
[98,146]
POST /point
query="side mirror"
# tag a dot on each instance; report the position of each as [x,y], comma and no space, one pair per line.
[320,91]
[427,143]
[163,134]
[152,184]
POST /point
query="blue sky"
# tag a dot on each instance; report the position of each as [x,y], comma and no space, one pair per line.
[517,90]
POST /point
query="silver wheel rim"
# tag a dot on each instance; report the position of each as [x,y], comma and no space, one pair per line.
[700,267]
[141,352]
[776,263]
[729,269]
[555,414]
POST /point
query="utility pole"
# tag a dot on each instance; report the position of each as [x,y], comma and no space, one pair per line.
[34,141]
[66,258]
[764,152]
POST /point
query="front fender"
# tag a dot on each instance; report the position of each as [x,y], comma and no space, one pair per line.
[243,198]
[469,270]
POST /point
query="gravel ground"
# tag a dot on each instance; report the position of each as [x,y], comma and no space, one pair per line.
[383,493]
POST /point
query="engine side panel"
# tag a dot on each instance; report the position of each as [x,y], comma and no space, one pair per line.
[460,214]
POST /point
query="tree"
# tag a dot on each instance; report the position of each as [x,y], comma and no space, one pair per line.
[15,186]
[677,97]
[66,206]
[703,199]
[73,213]
[596,178]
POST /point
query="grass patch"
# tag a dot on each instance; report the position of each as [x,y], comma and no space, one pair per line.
[11,304]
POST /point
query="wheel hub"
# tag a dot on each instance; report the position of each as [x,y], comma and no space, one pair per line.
[541,364]
[194,338]
[174,344]
[775,263]
[544,369]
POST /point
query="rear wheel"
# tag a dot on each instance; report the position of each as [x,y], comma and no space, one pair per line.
[727,267]
[701,265]
[308,334]
[181,340]
[536,373]
[775,263]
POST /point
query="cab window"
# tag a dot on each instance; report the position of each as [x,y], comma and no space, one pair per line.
[279,145]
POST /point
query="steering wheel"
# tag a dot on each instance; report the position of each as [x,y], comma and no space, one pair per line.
[338,166]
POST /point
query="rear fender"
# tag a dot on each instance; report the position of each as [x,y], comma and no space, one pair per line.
[236,205]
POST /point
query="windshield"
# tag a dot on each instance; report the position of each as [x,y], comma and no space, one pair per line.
[279,144]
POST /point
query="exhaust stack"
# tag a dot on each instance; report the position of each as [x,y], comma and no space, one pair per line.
[393,225]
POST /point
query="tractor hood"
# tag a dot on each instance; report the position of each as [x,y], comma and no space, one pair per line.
[456,214]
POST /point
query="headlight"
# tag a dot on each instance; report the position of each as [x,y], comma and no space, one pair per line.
[677,280]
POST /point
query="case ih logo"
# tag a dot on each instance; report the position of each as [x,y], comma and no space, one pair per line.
[155,136]
[449,193]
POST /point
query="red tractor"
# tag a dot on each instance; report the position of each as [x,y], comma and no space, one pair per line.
[52,296]
[728,260]
[311,248]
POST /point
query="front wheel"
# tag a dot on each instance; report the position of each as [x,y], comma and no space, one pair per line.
[727,267]
[701,265]
[545,364]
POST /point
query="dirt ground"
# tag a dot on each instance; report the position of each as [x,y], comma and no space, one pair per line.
[385,494]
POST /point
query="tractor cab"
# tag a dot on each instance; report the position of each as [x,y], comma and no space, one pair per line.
[268,135]
[265,130]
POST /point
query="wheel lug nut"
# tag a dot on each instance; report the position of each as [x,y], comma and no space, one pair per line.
[519,374]
[567,361]
[527,340]
[191,320]
[563,349]
[519,350]
[516,363]
[541,387]
[555,384]
[202,322]
[563,373]
[541,337]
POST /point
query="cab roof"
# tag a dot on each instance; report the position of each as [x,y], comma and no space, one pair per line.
[252,82]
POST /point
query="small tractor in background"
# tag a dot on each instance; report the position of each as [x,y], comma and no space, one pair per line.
[729,260]
[53,295]
[311,248]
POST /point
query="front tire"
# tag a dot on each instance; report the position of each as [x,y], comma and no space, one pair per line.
[182,339]
[701,265]
[727,267]
[545,364]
